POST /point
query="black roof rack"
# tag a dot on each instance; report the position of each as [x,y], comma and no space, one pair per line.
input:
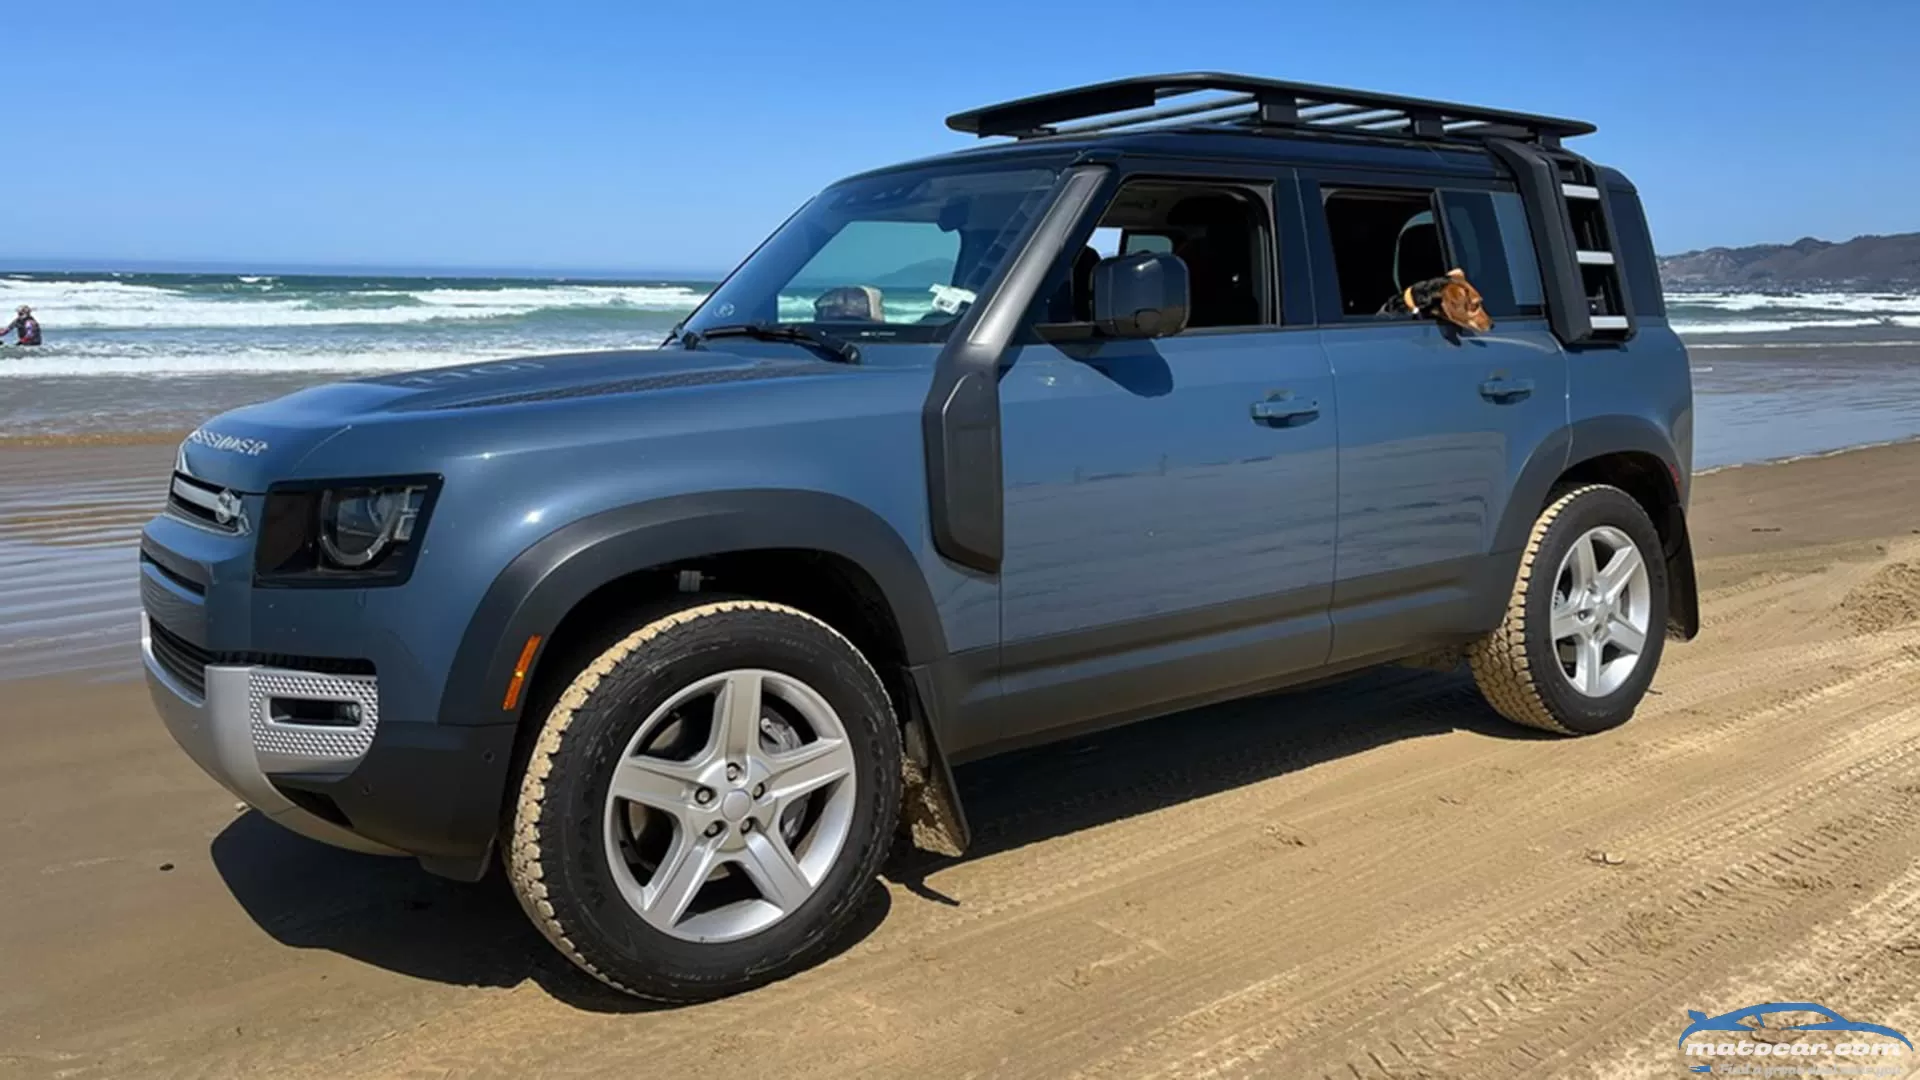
[1135,104]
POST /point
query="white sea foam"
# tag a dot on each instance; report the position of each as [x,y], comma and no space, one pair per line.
[1748,346]
[1781,326]
[1777,313]
[1864,303]
[116,305]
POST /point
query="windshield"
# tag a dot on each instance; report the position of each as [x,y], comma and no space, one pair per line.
[900,255]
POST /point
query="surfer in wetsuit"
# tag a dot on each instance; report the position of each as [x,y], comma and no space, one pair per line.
[25,325]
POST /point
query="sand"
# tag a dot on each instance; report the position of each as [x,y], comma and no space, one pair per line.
[1372,879]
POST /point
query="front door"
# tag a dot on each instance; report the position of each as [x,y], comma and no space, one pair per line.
[1169,503]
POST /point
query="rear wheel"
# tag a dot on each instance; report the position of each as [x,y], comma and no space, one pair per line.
[708,801]
[1585,626]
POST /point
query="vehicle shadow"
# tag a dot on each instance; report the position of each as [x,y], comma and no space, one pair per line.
[391,914]
[1053,790]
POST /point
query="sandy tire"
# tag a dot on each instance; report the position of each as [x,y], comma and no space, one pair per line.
[1535,677]
[574,831]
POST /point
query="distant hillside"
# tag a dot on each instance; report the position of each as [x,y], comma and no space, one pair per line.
[1868,262]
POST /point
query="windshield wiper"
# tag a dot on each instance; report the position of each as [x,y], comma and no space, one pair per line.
[843,351]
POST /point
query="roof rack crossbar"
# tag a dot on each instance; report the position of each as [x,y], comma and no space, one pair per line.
[1131,103]
[1244,114]
[1360,119]
[1322,111]
[1170,112]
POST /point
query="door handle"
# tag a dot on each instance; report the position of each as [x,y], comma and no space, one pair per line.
[1281,412]
[1504,391]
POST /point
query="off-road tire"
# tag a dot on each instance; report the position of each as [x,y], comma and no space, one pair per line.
[1516,667]
[555,857]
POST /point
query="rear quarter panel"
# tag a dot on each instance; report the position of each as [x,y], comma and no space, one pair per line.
[1649,380]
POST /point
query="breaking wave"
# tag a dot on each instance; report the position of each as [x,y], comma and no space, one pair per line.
[1781,313]
[272,303]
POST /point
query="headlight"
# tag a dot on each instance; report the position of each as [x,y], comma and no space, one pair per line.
[358,525]
[356,533]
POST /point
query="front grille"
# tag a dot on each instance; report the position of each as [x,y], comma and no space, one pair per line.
[180,658]
[172,575]
[204,504]
[187,662]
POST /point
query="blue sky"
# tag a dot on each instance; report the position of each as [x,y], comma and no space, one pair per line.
[673,136]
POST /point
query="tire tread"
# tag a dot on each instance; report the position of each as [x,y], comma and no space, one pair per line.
[525,869]
[1499,660]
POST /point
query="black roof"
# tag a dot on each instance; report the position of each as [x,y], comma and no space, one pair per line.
[1212,99]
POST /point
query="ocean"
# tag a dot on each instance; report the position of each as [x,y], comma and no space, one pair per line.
[1776,374]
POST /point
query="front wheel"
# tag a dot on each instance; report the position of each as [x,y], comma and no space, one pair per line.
[708,801]
[1586,622]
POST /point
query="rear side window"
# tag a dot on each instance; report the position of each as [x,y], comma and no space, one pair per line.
[1636,247]
[1157,243]
[1493,245]
[1383,242]
[1109,241]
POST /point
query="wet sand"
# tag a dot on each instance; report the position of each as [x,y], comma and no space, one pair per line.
[1371,879]
[70,519]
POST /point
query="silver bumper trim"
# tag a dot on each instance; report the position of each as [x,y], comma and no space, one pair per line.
[229,733]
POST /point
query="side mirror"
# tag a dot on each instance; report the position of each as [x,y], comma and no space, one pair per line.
[1143,295]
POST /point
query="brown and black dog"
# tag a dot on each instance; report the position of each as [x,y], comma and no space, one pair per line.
[1450,299]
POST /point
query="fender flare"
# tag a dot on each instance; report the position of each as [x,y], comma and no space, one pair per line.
[1581,441]
[546,581]
[1549,460]
[1597,437]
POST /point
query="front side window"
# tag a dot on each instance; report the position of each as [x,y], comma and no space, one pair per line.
[900,255]
[1220,230]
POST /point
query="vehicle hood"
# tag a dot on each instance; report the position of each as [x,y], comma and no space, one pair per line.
[247,448]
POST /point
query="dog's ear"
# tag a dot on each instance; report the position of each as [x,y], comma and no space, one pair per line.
[1457,274]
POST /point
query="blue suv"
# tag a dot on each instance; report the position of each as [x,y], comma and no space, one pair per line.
[1184,388]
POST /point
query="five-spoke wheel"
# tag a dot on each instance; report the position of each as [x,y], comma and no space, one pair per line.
[1601,605]
[768,794]
[708,801]
[1583,631]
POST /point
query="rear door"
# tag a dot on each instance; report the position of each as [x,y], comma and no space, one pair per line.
[1169,504]
[1435,425]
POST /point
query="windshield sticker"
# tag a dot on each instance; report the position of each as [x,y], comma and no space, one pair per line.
[949,299]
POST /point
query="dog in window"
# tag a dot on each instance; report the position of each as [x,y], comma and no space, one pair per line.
[1451,299]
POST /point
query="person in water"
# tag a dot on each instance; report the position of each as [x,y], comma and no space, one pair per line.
[24,325]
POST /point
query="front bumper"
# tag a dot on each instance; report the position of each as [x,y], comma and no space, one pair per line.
[230,732]
[402,779]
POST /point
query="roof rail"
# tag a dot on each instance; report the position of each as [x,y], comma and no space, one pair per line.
[1135,104]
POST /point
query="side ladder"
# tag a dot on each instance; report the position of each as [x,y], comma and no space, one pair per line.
[1587,301]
